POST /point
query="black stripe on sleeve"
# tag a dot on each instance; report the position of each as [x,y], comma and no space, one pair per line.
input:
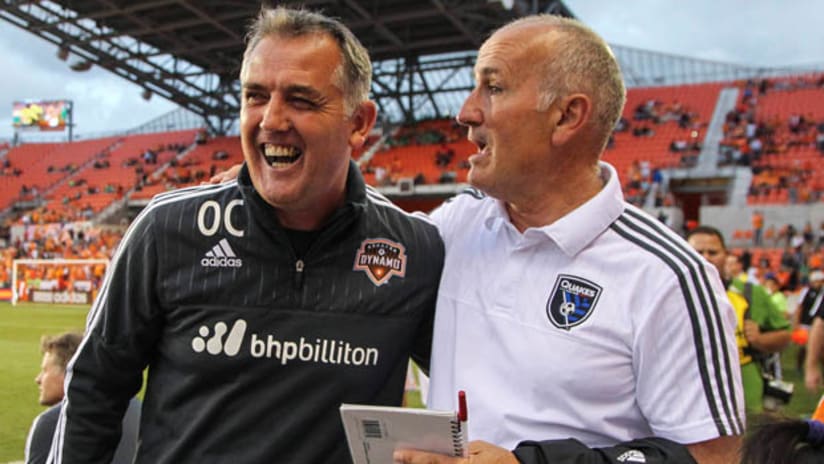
[631,226]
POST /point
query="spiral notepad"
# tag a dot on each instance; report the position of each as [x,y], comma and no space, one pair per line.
[374,432]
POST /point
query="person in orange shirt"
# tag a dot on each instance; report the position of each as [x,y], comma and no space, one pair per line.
[757,227]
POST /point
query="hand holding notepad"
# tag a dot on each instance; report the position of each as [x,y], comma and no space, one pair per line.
[375,432]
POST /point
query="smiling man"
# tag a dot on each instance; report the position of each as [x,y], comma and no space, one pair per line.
[260,305]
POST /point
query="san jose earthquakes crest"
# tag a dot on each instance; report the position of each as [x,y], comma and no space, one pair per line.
[572,301]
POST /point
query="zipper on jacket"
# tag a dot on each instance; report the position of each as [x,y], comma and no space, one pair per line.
[299,274]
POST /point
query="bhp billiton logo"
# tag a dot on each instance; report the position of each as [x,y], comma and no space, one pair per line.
[215,344]
[321,350]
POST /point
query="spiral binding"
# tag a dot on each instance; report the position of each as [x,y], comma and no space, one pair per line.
[457,438]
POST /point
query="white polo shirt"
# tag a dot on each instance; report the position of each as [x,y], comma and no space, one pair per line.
[604,326]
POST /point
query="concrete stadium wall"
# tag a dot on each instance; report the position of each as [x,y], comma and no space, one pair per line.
[730,218]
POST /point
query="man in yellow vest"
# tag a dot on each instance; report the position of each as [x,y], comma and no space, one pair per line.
[762,328]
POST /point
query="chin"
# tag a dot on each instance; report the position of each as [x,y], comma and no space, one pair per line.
[476,179]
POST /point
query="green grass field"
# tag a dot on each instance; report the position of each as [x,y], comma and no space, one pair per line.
[22,326]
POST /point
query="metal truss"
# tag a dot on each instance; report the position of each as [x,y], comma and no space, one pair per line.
[189,52]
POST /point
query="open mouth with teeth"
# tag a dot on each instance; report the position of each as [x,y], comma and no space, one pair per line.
[279,156]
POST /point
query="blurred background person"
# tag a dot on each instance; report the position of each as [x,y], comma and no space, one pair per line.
[57,351]
[785,441]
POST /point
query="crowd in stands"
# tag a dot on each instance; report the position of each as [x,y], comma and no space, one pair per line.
[78,194]
[59,241]
[435,139]
[785,252]
[766,142]
[795,184]
[651,113]
[426,134]
[643,176]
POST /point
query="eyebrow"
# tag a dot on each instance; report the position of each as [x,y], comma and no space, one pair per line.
[487,72]
[304,90]
[293,89]
[251,86]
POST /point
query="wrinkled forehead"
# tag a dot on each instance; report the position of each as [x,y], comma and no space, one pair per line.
[278,46]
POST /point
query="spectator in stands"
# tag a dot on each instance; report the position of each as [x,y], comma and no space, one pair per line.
[785,441]
[808,234]
[201,137]
[622,125]
[819,243]
[770,236]
[444,156]
[810,303]
[223,291]
[382,176]
[762,329]
[56,352]
[757,228]
[678,145]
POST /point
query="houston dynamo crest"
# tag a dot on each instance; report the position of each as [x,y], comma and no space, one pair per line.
[572,301]
[381,259]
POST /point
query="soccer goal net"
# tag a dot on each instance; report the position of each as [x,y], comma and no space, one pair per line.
[63,281]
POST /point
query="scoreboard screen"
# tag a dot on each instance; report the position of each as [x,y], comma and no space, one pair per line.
[41,115]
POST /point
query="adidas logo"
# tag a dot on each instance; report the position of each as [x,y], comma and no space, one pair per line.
[221,255]
[216,344]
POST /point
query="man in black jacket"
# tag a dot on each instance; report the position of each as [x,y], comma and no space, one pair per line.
[259,306]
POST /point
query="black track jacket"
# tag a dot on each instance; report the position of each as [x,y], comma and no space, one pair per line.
[250,350]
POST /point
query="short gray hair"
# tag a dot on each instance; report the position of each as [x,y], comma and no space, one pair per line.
[581,61]
[353,76]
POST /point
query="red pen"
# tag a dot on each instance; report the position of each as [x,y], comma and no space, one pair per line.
[463,413]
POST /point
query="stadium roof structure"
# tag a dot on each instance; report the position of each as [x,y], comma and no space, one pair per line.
[189,52]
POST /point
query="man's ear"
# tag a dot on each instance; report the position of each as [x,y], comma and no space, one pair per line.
[572,114]
[363,119]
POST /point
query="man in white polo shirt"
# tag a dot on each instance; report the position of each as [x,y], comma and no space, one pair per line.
[566,314]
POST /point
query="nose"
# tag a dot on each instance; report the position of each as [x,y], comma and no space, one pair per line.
[37,379]
[275,117]
[470,114]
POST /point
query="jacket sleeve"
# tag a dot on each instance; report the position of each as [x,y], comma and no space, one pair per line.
[106,372]
[649,450]
[39,440]
[422,349]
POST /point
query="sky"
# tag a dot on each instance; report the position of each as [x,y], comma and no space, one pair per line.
[749,32]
